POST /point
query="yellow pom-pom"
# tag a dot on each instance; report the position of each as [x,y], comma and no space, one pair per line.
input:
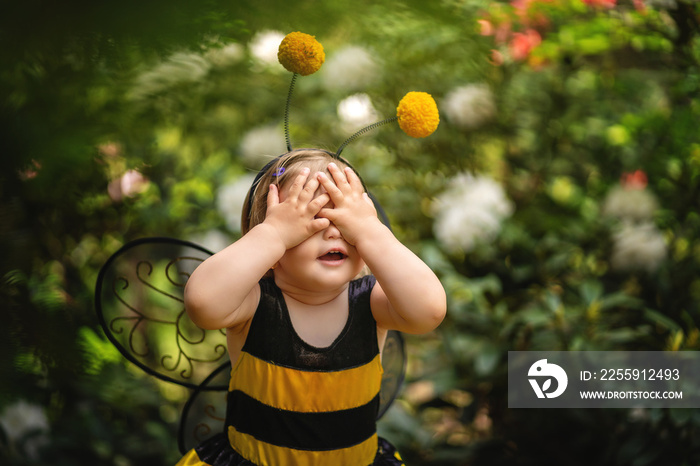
[418,114]
[301,53]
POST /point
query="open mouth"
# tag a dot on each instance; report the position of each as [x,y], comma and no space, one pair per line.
[332,257]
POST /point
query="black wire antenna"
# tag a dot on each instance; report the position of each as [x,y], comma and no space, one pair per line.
[359,133]
[286,112]
[364,130]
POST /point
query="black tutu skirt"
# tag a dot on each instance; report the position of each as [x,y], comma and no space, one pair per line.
[217,451]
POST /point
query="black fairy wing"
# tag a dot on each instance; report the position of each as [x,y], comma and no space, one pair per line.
[204,414]
[394,364]
[394,352]
[140,305]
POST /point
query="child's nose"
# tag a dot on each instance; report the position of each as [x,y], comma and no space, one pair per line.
[332,232]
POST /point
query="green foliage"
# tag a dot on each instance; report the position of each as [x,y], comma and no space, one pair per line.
[123,120]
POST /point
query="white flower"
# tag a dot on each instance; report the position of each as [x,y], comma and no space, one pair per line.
[638,246]
[638,414]
[21,419]
[230,199]
[261,143]
[357,111]
[227,55]
[264,46]
[662,4]
[631,204]
[181,67]
[470,106]
[470,211]
[351,68]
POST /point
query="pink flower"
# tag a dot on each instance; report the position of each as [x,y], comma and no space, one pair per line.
[529,16]
[496,24]
[30,172]
[526,4]
[486,27]
[522,43]
[635,180]
[496,58]
[129,184]
[521,5]
[601,3]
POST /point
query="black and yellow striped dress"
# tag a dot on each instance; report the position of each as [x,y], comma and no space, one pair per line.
[290,403]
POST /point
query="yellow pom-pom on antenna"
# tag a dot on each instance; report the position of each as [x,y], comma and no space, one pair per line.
[418,114]
[301,53]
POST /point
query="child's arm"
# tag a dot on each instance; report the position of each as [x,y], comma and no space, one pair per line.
[223,291]
[408,296]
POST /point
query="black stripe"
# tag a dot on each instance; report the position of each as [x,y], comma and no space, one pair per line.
[302,431]
[216,451]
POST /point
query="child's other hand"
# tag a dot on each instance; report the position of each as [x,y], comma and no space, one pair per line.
[353,210]
[293,214]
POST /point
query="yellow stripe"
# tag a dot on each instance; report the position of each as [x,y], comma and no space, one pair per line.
[191,459]
[306,391]
[265,454]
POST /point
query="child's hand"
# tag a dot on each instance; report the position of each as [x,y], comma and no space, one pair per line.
[353,209]
[294,217]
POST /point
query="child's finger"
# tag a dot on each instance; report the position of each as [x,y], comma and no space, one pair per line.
[317,204]
[309,189]
[339,177]
[327,213]
[319,224]
[331,188]
[299,183]
[354,180]
[273,196]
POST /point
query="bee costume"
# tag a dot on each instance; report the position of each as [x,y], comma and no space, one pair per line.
[287,403]
[302,406]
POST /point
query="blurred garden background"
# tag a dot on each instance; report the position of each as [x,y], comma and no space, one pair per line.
[558,201]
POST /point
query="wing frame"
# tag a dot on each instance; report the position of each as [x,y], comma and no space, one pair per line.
[109,332]
[185,414]
[394,362]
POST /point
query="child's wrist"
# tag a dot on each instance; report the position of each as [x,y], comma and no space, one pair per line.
[370,230]
[273,236]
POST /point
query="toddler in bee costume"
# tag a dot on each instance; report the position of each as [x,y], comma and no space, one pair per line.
[304,333]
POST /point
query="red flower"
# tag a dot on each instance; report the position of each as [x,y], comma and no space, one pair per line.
[601,3]
[635,180]
[640,6]
[523,42]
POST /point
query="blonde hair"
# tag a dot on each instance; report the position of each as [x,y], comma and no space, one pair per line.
[284,169]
